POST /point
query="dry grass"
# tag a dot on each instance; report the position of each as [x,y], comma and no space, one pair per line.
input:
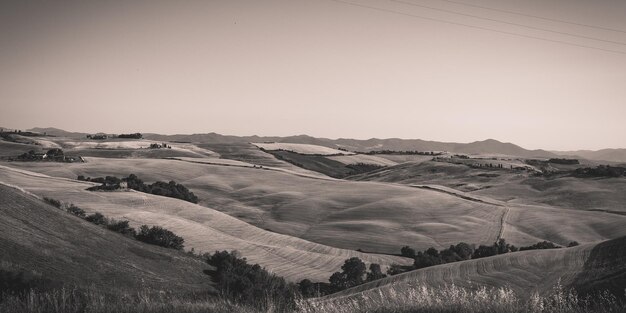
[452,298]
[93,300]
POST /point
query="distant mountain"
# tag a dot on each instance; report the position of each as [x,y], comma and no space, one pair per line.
[489,146]
[611,155]
[51,131]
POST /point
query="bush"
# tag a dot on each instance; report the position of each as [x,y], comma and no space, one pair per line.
[540,245]
[76,211]
[97,218]
[160,236]
[53,202]
[121,227]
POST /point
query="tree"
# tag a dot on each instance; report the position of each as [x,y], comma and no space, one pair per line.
[573,244]
[427,259]
[375,272]
[160,236]
[121,227]
[408,252]
[352,274]
[76,211]
[307,288]
[354,270]
[464,250]
[97,218]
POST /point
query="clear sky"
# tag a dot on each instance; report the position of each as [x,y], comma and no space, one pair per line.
[429,69]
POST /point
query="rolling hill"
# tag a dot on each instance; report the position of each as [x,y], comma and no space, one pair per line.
[515,187]
[373,216]
[589,267]
[203,229]
[35,236]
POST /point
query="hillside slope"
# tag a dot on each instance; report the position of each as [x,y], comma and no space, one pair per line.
[203,229]
[373,216]
[582,267]
[35,236]
[562,191]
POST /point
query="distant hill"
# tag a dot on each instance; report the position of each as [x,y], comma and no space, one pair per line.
[35,236]
[51,131]
[489,146]
[611,155]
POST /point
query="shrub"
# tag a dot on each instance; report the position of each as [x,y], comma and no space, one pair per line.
[160,236]
[540,245]
[97,218]
[76,210]
[53,202]
[121,227]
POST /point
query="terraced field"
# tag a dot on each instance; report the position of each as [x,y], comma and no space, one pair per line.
[525,272]
[35,236]
[202,228]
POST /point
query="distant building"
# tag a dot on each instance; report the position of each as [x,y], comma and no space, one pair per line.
[123,185]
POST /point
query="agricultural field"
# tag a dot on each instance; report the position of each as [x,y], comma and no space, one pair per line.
[203,229]
[355,214]
[301,148]
[512,186]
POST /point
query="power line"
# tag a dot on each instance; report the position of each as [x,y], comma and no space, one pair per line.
[536,16]
[506,22]
[476,27]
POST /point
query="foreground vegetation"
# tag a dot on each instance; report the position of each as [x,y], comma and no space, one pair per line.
[403,299]
[424,299]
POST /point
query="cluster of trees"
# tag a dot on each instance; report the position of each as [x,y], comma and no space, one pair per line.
[250,284]
[154,235]
[601,171]
[159,146]
[464,251]
[354,272]
[168,189]
[563,161]
[130,136]
[97,136]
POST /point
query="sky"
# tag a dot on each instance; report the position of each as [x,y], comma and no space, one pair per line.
[547,74]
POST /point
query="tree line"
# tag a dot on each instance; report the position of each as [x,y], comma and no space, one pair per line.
[154,235]
[168,189]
